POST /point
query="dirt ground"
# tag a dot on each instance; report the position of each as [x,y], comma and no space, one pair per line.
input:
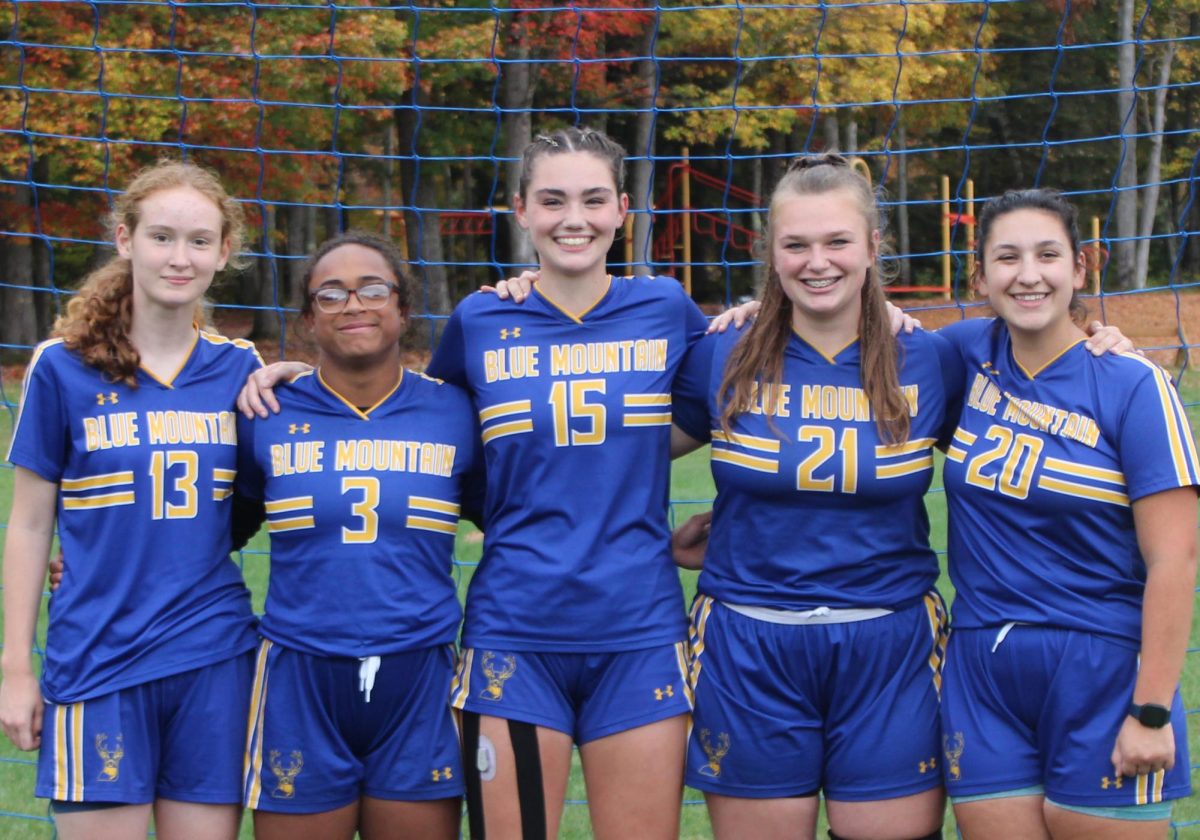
[1153,319]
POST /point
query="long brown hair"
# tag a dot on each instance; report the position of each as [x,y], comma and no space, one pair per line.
[97,321]
[757,358]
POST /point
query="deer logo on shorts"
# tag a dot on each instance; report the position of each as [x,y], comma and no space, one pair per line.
[715,754]
[954,749]
[111,758]
[495,686]
[285,777]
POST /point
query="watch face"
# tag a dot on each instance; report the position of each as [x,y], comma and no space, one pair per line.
[1154,716]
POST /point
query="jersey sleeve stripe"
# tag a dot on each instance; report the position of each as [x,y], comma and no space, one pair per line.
[750,462]
[647,400]
[220,474]
[1183,447]
[1070,488]
[1084,471]
[500,430]
[964,437]
[433,505]
[746,441]
[915,445]
[291,504]
[220,494]
[1188,465]
[904,467]
[422,523]
[95,482]
[953,453]
[648,419]
[295,523]
[504,409]
[37,355]
[102,500]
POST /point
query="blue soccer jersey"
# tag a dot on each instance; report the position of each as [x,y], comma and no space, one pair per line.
[362,508]
[818,511]
[576,417]
[145,481]
[1040,477]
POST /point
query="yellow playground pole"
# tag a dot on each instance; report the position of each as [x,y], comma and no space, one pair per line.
[946,237]
[970,222]
[687,222]
[1096,259]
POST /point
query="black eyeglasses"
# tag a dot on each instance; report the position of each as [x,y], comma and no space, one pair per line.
[333,299]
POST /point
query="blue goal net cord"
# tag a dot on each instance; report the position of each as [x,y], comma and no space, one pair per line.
[408,119]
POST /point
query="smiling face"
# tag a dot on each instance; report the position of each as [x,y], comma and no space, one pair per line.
[572,210]
[821,251]
[356,336]
[175,249]
[1029,272]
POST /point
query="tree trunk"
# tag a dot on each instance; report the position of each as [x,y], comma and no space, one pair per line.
[517,91]
[903,242]
[851,135]
[18,325]
[641,184]
[297,224]
[1124,250]
[44,304]
[267,321]
[20,309]
[422,226]
[832,131]
[1154,167]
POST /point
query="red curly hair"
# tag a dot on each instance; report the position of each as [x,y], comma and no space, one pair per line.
[97,321]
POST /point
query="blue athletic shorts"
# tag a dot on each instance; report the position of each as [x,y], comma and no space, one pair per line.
[788,709]
[1042,706]
[586,695]
[178,737]
[327,731]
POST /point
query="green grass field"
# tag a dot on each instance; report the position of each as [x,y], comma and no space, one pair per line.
[22,816]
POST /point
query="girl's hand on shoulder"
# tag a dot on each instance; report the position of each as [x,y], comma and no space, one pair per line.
[901,320]
[21,708]
[1105,338]
[258,395]
[1140,750]
[738,315]
[517,288]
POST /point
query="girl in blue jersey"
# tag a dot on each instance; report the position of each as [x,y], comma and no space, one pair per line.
[817,633]
[574,630]
[362,474]
[127,438]
[1072,499]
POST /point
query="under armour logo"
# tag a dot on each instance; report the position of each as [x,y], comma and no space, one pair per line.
[110,398]
[515,332]
[442,774]
[1106,783]
[660,693]
[303,428]
[926,766]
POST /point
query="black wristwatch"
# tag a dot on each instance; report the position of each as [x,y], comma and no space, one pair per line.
[1150,715]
